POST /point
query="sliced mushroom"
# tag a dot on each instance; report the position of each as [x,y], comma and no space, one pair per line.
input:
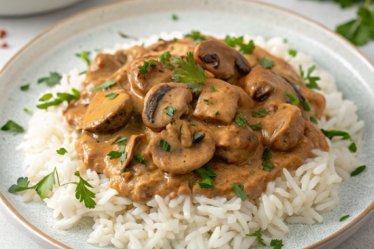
[180,159]
[218,104]
[220,59]
[265,85]
[177,48]
[284,128]
[155,75]
[106,115]
[235,144]
[130,148]
[162,96]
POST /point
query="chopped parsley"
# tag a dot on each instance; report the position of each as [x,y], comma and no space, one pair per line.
[295,100]
[111,95]
[241,120]
[207,173]
[170,111]
[261,113]
[123,157]
[358,170]
[174,17]
[84,55]
[12,127]
[69,97]
[266,63]
[238,41]
[205,100]
[55,102]
[335,133]
[105,85]
[292,52]
[198,137]
[26,110]
[61,151]
[83,72]
[165,59]
[310,81]
[267,166]
[256,127]
[213,88]
[139,158]
[216,113]
[119,141]
[147,64]
[344,218]
[196,36]
[82,193]
[25,87]
[122,170]
[114,154]
[164,145]
[259,237]
[266,155]
[238,190]
[189,73]
[46,97]
[276,243]
[353,147]
[192,124]
[252,172]
[306,106]
[313,119]
[52,80]
[61,98]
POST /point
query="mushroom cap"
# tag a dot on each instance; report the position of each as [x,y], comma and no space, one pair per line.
[159,97]
[106,115]
[220,59]
[180,159]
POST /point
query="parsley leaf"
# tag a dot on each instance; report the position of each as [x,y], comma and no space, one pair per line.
[46,184]
[353,147]
[123,157]
[196,36]
[238,41]
[267,166]
[169,110]
[67,97]
[213,88]
[111,95]
[144,68]
[310,81]
[306,106]
[247,48]
[266,155]
[238,190]
[293,98]
[105,85]
[313,119]
[82,193]
[164,145]
[139,158]
[84,55]
[22,184]
[358,170]
[46,97]
[256,127]
[259,237]
[119,141]
[269,64]
[292,52]
[52,80]
[55,102]
[209,170]
[12,126]
[174,17]
[335,133]
[165,58]
[276,243]
[198,137]
[189,72]
[26,110]
[114,154]
[261,113]
[25,87]
[344,218]
[61,151]
[206,172]
[83,72]
[233,41]
[241,120]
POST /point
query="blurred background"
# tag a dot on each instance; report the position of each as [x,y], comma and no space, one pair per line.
[22,20]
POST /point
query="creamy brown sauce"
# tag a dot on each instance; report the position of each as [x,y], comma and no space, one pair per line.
[233,152]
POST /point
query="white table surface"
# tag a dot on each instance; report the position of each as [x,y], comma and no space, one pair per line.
[22,30]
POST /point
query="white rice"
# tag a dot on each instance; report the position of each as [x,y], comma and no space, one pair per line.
[198,222]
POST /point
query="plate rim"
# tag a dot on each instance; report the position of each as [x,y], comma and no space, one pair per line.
[12,213]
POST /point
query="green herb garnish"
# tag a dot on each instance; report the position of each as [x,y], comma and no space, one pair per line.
[26,110]
[25,87]
[276,243]
[46,97]
[252,172]
[335,133]
[84,55]
[206,172]
[52,80]
[198,137]
[344,218]
[82,193]
[292,52]
[196,36]
[238,41]
[139,158]
[114,154]
[267,166]
[111,95]
[13,127]
[105,85]
[259,237]
[123,157]
[293,98]
[216,113]
[170,111]
[266,155]
[61,151]
[261,113]
[256,127]
[310,81]
[164,145]
[55,102]
[358,170]
[353,147]
[83,72]
[313,119]
[165,59]
[241,120]
[306,106]
[119,141]
[174,17]
[269,64]
[238,190]
[213,88]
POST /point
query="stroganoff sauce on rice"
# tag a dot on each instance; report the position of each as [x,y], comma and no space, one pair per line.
[186,221]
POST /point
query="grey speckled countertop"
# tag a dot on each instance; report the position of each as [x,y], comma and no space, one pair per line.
[22,30]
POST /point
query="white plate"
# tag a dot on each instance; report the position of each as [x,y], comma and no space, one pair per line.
[54,51]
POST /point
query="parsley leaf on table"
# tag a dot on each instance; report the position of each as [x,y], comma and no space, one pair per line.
[12,126]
